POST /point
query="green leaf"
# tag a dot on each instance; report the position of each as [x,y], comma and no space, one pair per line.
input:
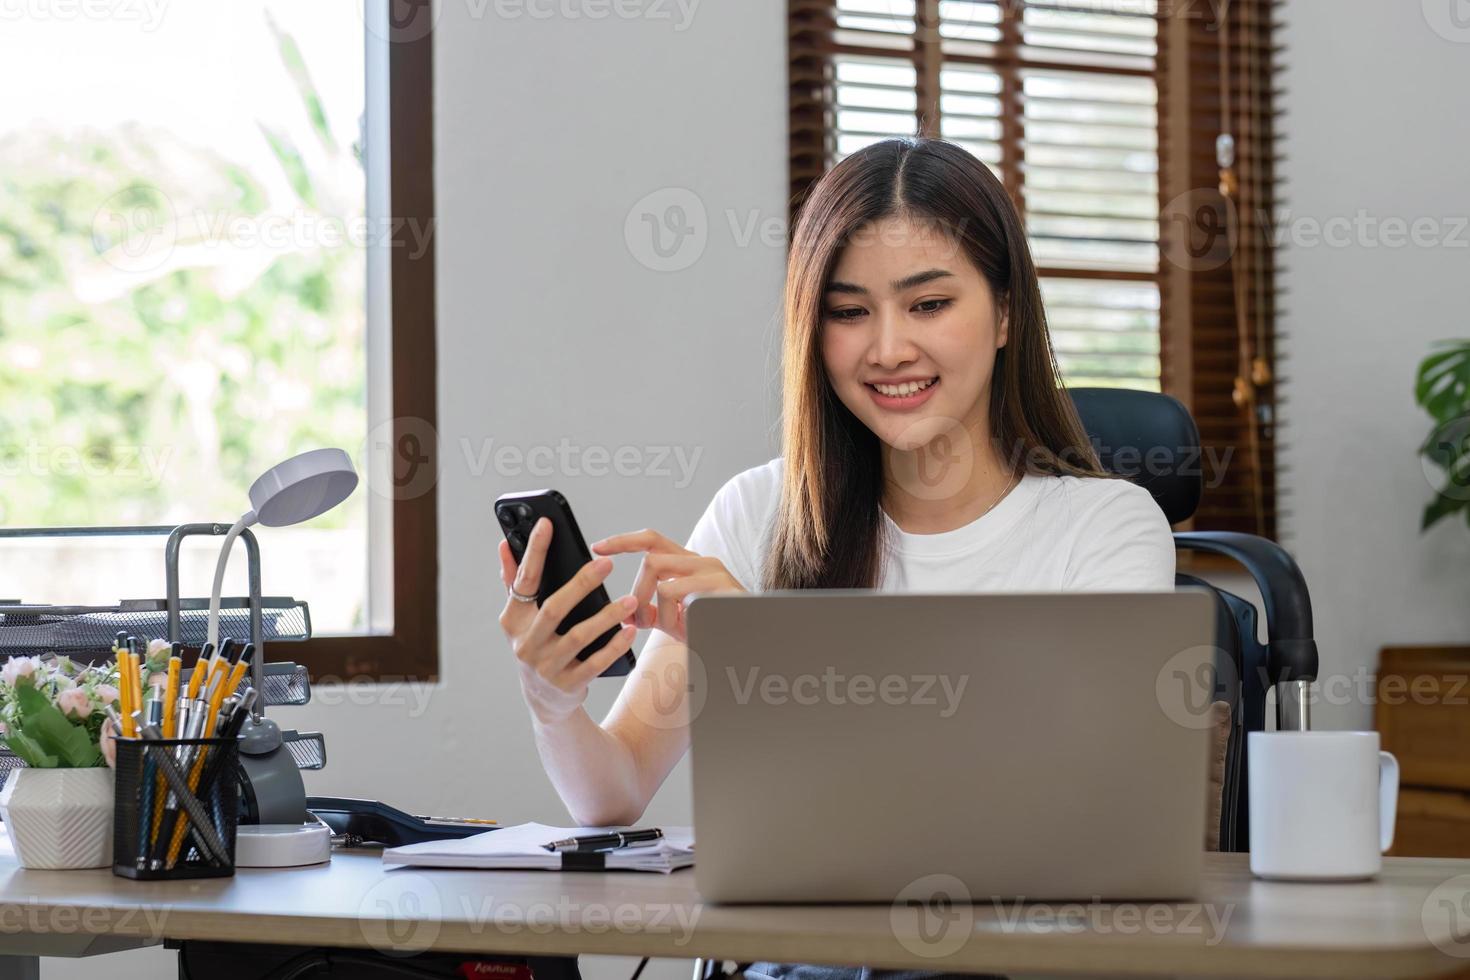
[251,200]
[1446,403]
[1443,383]
[301,78]
[34,756]
[292,163]
[1458,472]
[1448,447]
[1441,507]
[1430,368]
[42,722]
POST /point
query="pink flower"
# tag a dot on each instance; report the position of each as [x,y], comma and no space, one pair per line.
[17,667]
[157,646]
[106,693]
[108,742]
[74,701]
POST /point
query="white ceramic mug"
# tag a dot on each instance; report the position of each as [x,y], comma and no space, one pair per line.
[1322,804]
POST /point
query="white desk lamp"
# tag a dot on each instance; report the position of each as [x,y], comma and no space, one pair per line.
[290,492]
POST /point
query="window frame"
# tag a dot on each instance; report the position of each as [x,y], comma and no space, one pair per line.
[411,650]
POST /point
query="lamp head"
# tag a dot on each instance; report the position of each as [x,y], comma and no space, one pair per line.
[302,487]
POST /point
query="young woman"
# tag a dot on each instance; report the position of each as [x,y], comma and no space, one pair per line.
[928,446]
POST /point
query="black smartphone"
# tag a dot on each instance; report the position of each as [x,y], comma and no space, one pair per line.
[518,514]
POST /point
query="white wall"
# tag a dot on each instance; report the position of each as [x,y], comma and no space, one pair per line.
[548,132]
[550,329]
[1376,106]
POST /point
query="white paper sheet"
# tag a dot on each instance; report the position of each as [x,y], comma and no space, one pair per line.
[520,847]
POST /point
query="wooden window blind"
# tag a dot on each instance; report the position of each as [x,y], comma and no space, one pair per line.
[1218,278]
[1096,116]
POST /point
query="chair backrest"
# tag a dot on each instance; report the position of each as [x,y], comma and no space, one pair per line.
[1151,439]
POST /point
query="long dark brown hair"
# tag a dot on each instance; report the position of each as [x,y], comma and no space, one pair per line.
[829,525]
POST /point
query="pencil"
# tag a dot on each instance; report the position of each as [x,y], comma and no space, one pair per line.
[122,686]
[237,674]
[220,668]
[181,827]
[201,667]
[171,691]
[126,689]
[135,685]
[216,694]
[196,766]
[122,695]
[139,660]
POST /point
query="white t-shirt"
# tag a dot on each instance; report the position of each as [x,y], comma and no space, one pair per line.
[1049,534]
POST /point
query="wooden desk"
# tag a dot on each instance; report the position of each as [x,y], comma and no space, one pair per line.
[1388,927]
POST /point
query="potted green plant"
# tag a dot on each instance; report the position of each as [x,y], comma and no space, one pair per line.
[1443,390]
[58,807]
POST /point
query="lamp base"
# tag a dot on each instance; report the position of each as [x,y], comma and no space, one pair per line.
[282,845]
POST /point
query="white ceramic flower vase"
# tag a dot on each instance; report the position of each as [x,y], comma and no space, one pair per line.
[59,818]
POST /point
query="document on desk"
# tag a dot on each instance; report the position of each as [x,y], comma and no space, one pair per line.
[522,848]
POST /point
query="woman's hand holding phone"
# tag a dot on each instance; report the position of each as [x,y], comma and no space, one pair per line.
[670,572]
[553,680]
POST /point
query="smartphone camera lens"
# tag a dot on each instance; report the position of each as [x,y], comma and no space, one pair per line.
[507,519]
[523,511]
[516,541]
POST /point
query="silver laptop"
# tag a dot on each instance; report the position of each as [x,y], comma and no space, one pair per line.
[849,745]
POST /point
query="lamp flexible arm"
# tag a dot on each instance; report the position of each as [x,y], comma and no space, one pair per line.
[246,519]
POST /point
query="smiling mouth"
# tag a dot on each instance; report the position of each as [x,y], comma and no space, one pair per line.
[906,390]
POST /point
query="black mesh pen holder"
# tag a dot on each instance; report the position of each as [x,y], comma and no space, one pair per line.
[177,807]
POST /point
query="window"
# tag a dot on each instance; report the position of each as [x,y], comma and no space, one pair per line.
[1067,101]
[215,233]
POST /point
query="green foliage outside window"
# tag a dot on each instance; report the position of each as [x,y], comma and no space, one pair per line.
[171,323]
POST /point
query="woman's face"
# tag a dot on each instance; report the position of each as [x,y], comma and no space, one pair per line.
[909,333]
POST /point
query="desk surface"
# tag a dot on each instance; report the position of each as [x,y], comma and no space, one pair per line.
[1414,920]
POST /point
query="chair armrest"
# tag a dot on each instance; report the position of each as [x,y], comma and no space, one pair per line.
[1293,650]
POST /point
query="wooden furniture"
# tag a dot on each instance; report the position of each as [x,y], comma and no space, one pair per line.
[1423,714]
[1404,923]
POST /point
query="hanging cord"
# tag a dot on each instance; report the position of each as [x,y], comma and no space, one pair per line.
[1251,370]
[1255,185]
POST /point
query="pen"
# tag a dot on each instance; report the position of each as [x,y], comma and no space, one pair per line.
[150,806]
[607,842]
[204,716]
[231,722]
[201,827]
[192,761]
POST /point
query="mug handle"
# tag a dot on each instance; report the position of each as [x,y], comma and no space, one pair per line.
[1388,797]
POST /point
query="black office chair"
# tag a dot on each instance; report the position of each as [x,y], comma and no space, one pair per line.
[1151,439]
